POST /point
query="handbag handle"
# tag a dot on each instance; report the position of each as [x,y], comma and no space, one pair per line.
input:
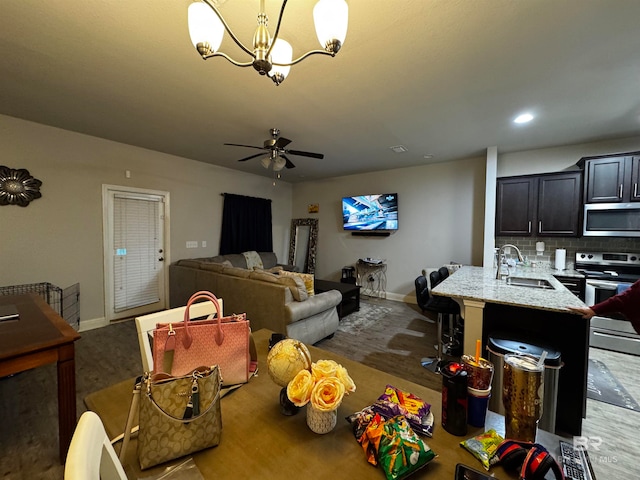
[219,334]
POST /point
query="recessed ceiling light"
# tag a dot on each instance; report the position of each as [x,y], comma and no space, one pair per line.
[399,148]
[428,155]
[524,118]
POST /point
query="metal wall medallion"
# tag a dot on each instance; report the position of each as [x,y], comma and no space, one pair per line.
[18,187]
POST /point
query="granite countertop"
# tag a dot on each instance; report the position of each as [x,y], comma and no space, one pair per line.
[480,284]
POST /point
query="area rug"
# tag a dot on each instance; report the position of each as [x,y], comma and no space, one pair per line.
[604,387]
[368,315]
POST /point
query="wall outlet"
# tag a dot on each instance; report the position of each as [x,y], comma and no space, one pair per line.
[192,244]
[204,243]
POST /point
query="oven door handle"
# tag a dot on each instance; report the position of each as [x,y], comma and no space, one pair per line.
[603,284]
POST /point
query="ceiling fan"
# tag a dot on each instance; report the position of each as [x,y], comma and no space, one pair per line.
[277,156]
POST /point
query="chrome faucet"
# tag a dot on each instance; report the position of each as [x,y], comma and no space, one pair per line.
[502,260]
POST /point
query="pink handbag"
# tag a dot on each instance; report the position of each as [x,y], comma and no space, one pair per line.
[180,348]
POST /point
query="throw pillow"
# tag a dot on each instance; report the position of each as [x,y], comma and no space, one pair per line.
[296,286]
[253,259]
[307,278]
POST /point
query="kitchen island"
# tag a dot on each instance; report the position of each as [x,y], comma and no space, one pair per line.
[539,315]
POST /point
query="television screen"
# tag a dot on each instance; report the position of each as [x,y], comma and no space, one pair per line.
[370,212]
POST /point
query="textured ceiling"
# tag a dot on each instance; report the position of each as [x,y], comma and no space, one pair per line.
[441,77]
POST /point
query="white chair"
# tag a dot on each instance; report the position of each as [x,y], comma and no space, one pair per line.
[91,455]
[146,323]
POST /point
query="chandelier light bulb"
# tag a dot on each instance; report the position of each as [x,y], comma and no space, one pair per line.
[205,28]
[282,52]
[331,18]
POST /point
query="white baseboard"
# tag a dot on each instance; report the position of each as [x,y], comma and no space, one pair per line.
[396,297]
[93,324]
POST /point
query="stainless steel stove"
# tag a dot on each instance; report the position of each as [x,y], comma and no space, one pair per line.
[607,274]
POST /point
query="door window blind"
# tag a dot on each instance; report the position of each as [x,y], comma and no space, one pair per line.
[136,243]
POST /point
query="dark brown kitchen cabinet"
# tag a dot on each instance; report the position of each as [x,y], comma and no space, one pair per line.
[539,205]
[612,179]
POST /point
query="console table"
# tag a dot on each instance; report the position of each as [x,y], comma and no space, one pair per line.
[372,277]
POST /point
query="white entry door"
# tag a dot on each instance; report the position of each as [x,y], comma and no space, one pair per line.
[135,251]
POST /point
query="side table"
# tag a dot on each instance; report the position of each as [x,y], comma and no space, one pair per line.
[372,277]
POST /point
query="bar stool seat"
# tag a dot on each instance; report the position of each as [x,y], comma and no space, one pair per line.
[442,306]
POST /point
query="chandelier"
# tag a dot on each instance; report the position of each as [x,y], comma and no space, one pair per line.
[270,56]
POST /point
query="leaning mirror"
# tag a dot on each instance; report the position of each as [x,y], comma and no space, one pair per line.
[303,242]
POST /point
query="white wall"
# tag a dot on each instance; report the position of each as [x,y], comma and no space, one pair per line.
[58,238]
[440,215]
[558,159]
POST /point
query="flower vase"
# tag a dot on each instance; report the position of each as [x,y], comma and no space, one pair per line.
[320,421]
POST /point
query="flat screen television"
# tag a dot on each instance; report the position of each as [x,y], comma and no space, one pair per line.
[370,212]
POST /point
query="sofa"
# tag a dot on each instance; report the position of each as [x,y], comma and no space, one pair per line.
[272,297]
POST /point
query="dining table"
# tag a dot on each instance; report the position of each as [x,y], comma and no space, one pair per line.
[258,441]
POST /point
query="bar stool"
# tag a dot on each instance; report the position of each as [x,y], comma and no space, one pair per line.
[453,345]
[442,306]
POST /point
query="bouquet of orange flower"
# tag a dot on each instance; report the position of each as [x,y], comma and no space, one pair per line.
[324,386]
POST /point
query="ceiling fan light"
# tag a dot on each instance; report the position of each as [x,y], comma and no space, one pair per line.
[282,52]
[266,161]
[205,28]
[331,18]
[278,164]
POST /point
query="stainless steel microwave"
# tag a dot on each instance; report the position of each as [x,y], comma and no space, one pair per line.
[612,220]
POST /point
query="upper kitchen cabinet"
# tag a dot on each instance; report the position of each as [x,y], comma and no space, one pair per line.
[539,205]
[612,179]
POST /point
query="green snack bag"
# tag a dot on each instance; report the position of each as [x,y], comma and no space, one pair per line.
[401,451]
[484,447]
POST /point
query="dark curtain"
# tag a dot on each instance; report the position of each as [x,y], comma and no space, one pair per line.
[246,225]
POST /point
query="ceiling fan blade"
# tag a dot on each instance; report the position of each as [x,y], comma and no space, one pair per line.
[305,154]
[289,163]
[250,157]
[282,142]
[239,145]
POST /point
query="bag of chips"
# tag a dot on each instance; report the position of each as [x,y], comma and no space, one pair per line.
[484,447]
[395,402]
[400,451]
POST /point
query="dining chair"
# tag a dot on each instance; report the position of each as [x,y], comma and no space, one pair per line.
[145,325]
[91,455]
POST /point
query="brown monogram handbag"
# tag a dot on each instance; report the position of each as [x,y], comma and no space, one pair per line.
[178,415]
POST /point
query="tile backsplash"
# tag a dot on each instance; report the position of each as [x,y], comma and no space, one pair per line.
[527,246]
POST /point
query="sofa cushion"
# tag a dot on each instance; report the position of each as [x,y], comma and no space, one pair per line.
[192,263]
[236,272]
[264,276]
[236,259]
[296,286]
[307,278]
[269,259]
[213,267]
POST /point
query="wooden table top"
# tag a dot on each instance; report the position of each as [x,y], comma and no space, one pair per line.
[259,442]
[38,328]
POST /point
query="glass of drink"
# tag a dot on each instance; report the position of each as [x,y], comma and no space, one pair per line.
[522,396]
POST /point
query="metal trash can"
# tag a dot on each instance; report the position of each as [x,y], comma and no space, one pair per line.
[498,345]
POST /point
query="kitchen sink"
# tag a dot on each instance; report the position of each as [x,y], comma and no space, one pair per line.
[528,282]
